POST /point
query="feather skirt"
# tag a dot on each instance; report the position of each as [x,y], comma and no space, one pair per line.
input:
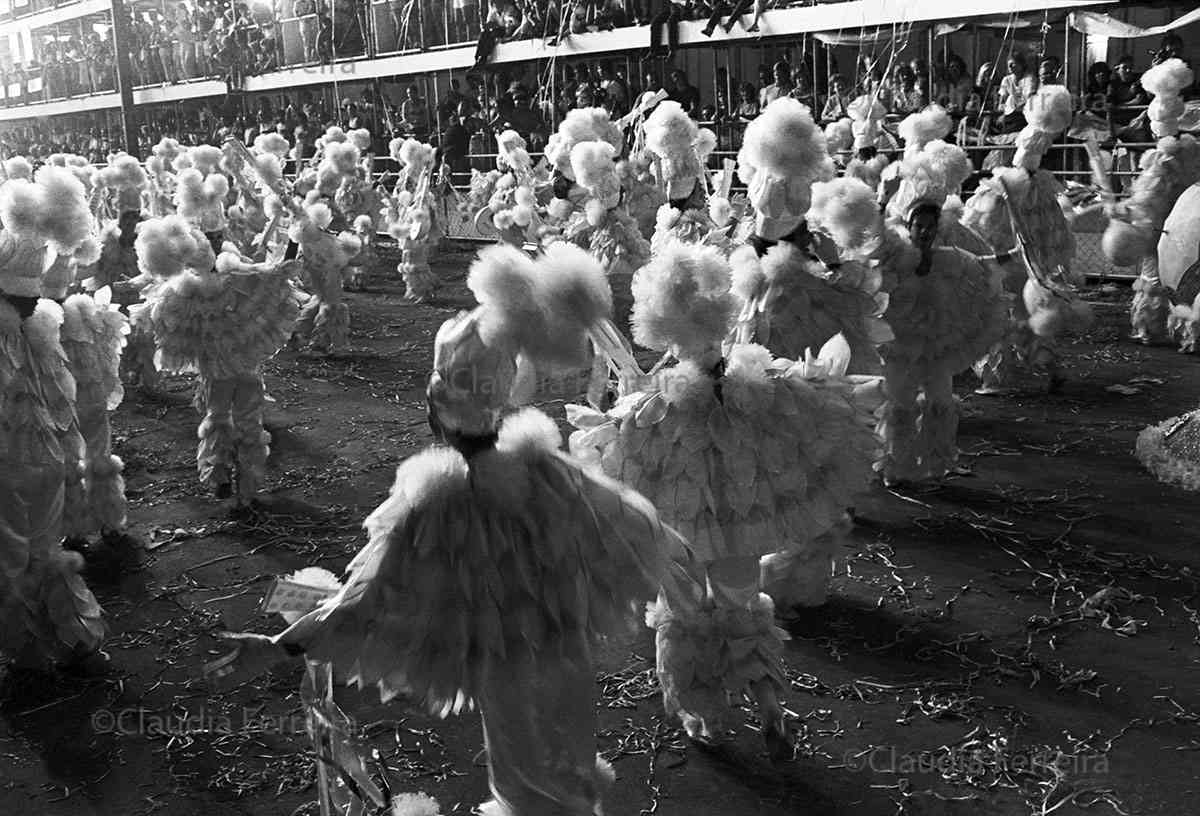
[769,465]
[1171,451]
[949,318]
[803,306]
[49,611]
[706,654]
[93,336]
[507,557]
[219,325]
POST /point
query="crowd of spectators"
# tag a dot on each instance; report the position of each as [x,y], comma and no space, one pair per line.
[463,117]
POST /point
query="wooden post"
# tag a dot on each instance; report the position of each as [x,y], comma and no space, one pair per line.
[122,37]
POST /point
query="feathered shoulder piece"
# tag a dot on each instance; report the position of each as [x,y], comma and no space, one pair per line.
[783,152]
[921,128]
[169,245]
[581,125]
[682,301]
[201,199]
[529,431]
[847,211]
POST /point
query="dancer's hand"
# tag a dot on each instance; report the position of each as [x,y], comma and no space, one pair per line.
[252,656]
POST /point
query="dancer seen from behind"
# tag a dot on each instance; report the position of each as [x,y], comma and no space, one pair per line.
[1018,214]
[498,561]
[748,456]
[220,318]
[51,617]
[797,292]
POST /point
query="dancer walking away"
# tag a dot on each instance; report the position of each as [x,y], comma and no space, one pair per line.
[747,456]
[498,560]
[50,615]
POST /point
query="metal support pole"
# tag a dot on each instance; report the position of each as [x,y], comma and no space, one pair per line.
[121,39]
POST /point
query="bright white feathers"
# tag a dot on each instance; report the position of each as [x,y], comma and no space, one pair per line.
[682,300]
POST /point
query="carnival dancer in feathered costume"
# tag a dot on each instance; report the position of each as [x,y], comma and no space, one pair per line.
[512,205]
[325,318]
[945,308]
[605,228]
[1017,213]
[50,615]
[866,128]
[410,216]
[1166,172]
[117,266]
[360,203]
[568,193]
[498,560]
[679,149]
[797,292]
[160,168]
[221,319]
[747,456]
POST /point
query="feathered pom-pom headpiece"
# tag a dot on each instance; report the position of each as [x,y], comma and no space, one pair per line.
[18,167]
[168,149]
[202,200]
[847,211]
[20,206]
[411,153]
[65,219]
[333,135]
[125,176]
[1048,113]
[930,174]
[573,294]
[167,246]
[339,161]
[512,152]
[918,129]
[206,158]
[272,143]
[682,300]
[360,138]
[866,115]
[414,804]
[593,165]
[581,125]
[1166,81]
[672,136]
[783,153]
[839,136]
[502,279]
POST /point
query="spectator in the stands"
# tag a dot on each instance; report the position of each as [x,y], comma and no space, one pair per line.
[616,92]
[782,86]
[684,93]
[306,11]
[1017,86]
[1048,71]
[839,98]
[456,141]
[1125,94]
[955,89]
[414,114]
[747,108]
[184,46]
